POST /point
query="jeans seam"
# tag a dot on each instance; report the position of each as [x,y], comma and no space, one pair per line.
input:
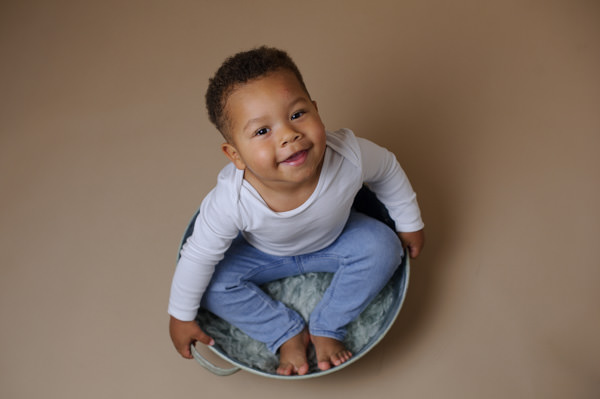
[331,289]
[299,264]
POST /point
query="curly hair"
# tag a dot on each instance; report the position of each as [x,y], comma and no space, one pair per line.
[239,69]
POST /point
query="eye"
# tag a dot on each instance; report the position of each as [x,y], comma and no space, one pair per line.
[261,131]
[297,115]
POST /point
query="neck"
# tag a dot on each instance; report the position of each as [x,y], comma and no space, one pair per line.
[283,198]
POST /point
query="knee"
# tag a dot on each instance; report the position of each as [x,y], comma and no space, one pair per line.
[214,294]
[380,242]
[221,295]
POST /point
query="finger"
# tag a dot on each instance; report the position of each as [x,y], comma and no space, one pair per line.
[185,351]
[407,249]
[414,252]
[205,339]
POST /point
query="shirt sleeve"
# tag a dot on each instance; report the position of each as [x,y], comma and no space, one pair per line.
[214,230]
[384,176]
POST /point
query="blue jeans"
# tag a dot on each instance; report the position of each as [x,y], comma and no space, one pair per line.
[363,259]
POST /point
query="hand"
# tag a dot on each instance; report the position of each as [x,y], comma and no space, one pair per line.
[184,334]
[413,242]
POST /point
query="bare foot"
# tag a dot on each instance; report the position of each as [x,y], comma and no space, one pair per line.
[330,352]
[292,355]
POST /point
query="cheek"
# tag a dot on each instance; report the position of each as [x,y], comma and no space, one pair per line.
[319,129]
[262,156]
[319,136]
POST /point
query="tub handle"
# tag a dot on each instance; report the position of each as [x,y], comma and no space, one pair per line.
[211,367]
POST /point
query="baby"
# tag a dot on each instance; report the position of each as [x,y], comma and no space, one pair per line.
[282,207]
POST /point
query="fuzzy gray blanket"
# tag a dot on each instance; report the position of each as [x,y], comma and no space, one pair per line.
[302,293]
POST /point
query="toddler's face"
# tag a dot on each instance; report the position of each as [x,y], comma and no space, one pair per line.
[276,133]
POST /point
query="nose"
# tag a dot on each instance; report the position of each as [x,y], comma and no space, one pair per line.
[289,135]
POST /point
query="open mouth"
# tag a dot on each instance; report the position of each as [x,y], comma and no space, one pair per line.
[296,158]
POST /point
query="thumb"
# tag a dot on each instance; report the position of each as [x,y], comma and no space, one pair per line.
[200,336]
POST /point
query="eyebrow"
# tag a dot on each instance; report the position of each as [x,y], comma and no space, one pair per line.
[292,103]
[250,122]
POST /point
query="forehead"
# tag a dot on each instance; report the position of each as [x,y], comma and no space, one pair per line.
[275,87]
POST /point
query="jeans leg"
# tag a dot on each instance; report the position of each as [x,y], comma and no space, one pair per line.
[234,294]
[363,259]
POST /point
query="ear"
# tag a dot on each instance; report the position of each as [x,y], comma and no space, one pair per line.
[315,104]
[233,155]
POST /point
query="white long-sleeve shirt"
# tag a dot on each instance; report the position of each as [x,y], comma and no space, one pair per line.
[234,206]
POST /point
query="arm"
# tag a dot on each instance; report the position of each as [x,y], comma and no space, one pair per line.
[213,233]
[385,177]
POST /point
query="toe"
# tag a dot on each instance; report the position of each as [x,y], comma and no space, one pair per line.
[302,370]
[324,365]
[284,369]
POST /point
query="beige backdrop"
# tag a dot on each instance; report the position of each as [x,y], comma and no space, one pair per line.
[106,151]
